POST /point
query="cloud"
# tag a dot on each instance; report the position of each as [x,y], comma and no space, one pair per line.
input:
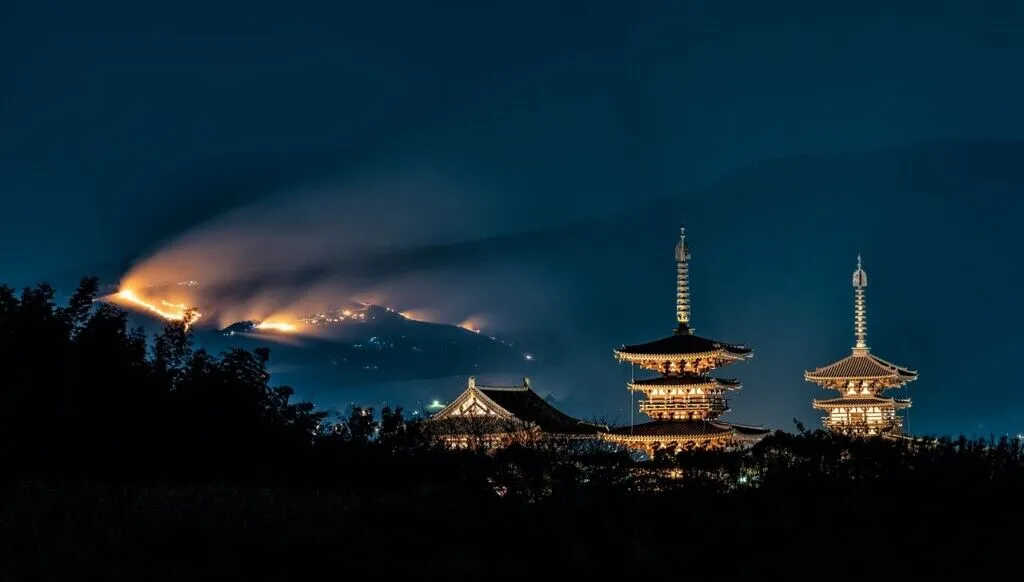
[422,235]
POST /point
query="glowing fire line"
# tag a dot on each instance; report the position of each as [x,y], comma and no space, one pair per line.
[276,326]
[179,315]
[468,326]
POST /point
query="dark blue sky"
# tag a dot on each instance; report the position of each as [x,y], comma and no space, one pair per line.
[789,136]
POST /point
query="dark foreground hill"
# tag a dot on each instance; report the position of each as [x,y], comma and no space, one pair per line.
[529,514]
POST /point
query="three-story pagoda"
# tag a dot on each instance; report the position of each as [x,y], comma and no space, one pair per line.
[861,378]
[684,401]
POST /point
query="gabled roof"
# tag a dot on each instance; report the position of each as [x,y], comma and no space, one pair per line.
[472,402]
[502,406]
[528,406]
[861,365]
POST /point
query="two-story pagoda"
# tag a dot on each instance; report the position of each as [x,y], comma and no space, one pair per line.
[861,378]
[684,401]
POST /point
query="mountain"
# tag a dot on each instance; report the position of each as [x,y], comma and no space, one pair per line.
[373,345]
[382,346]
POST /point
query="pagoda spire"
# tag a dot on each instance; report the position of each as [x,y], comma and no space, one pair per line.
[683,283]
[860,318]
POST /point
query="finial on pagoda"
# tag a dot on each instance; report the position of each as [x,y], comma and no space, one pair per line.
[682,283]
[860,321]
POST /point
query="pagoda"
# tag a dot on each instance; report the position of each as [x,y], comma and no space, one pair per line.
[861,378]
[684,400]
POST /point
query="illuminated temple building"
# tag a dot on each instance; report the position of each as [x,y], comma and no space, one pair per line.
[684,400]
[496,416]
[861,378]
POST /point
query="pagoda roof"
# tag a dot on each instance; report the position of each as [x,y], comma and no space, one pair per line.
[861,365]
[671,380]
[683,343]
[863,401]
[498,408]
[668,431]
[674,428]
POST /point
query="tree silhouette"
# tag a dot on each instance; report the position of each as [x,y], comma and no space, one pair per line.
[361,424]
[392,426]
[79,306]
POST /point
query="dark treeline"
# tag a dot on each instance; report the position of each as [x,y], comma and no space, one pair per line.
[127,457]
[85,395]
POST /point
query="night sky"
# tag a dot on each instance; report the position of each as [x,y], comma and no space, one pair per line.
[528,164]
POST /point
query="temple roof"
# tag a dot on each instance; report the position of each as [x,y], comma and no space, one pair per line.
[683,343]
[528,406]
[686,380]
[863,401]
[674,428]
[861,365]
[498,408]
[680,430]
[747,430]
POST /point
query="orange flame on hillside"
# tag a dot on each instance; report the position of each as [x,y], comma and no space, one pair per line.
[418,315]
[471,325]
[277,326]
[130,297]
